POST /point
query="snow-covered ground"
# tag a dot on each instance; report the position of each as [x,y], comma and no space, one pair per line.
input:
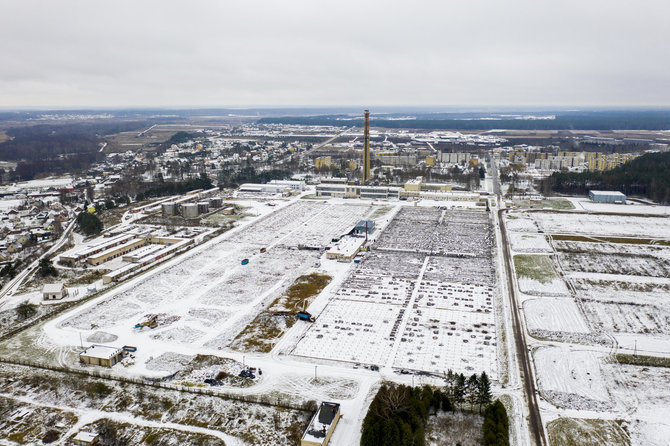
[411,311]
[530,243]
[606,225]
[571,378]
[615,301]
[560,314]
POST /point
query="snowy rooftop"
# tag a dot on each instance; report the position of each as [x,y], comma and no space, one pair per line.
[607,193]
[52,287]
[100,351]
[85,436]
[347,246]
[318,427]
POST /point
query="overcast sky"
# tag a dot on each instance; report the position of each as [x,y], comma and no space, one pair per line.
[317,52]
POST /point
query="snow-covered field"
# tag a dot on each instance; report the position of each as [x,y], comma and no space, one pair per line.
[599,224]
[554,314]
[207,298]
[407,310]
[616,302]
[525,242]
[571,378]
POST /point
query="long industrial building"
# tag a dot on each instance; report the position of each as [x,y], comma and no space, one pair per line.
[604,196]
[357,191]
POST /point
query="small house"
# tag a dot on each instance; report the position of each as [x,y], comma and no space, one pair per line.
[84,438]
[322,425]
[101,355]
[54,291]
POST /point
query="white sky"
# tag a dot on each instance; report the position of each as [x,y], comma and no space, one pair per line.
[322,52]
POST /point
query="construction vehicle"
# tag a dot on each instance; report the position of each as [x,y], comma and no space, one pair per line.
[151,322]
[305,316]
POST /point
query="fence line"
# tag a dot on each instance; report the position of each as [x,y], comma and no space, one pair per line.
[265,400]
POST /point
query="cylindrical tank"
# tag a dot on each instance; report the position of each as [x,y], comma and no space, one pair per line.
[189,210]
[168,209]
[203,207]
[216,202]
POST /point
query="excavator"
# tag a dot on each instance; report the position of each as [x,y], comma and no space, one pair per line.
[151,322]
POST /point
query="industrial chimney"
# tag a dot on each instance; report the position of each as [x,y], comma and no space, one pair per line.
[366,149]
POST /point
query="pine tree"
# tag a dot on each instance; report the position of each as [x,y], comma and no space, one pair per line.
[483,391]
[471,388]
[459,391]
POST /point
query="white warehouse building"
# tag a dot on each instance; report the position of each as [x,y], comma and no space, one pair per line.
[605,196]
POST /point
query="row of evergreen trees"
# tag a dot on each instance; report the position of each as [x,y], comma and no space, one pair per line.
[475,390]
[646,175]
[398,413]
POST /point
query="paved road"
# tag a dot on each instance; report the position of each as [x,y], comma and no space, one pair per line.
[16,282]
[315,148]
[526,372]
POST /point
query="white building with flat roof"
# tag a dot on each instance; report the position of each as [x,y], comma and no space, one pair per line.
[101,355]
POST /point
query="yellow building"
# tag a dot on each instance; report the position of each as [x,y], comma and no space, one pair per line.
[418,185]
[323,162]
[322,425]
[430,161]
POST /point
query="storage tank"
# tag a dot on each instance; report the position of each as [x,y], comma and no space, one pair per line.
[189,210]
[216,202]
[203,207]
[168,209]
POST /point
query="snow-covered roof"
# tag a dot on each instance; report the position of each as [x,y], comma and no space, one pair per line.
[321,422]
[100,351]
[607,193]
[85,436]
[53,287]
[347,246]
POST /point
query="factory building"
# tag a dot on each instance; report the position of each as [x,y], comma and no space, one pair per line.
[356,191]
[603,196]
[116,251]
[418,185]
[273,187]
[322,425]
[81,255]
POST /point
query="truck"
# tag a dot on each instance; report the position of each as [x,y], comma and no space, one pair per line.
[305,316]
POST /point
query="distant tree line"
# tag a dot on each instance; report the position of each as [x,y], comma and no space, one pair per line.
[54,149]
[596,120]
[233,178]
[647,175]
[175,187]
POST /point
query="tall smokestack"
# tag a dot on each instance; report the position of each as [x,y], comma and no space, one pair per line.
[366,149]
